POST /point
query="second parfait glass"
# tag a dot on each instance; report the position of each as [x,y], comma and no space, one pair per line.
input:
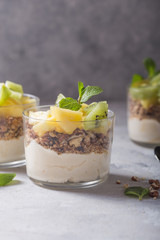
[144,115]
[11,132]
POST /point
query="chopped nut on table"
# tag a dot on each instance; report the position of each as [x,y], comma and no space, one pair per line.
[134,178]
[118,182]
[143,178]
[153,193]
[155,186]
[125,185]
[154,181]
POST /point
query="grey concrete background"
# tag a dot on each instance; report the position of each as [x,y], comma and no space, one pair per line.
[50,45]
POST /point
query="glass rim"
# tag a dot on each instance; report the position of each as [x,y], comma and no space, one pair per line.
[110,115]
[23,104]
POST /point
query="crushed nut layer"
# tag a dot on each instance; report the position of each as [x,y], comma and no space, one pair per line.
[11,127]
[80,141]
[138,111]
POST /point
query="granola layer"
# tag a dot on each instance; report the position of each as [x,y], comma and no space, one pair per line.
[136,110]
[80,141]
[11,127]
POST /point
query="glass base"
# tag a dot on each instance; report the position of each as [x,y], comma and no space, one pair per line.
[69,185]
[144,144]
[13,164]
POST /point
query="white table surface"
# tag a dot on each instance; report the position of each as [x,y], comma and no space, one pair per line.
[28,211]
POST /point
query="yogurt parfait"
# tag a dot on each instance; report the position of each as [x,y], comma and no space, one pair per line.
[144,106]
[68,145]
[12,103]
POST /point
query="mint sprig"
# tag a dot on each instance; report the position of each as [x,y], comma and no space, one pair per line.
[137,191]
[85,93]
[6,178]
[152,71]
[69,103]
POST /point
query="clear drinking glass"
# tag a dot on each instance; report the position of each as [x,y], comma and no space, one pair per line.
[144,116]
[11,133]
[57,159]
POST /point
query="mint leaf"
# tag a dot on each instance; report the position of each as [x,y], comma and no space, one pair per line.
[137,191]
[6,178]
[136,79]
[69,103]
[150,66]
[80,88]
[90,91]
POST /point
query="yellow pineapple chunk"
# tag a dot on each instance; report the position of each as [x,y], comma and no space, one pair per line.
[28,102]
[15,108]
[43,122]
[84,105]
[11,108]
[148,103]
[36,117]
[11,101]
[44,126]
[67,120]
[13,111]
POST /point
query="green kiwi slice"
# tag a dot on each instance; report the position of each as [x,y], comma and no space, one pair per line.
[89,108]
[59,98]
[144,92]
[156,80]
[99,111]
[4,93]
[14,86]
[15,95]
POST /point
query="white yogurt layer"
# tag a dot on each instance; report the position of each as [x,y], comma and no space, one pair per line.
[11,150]
[46,165]
[145,130]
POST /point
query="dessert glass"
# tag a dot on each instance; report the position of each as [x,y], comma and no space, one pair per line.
[11,133]
[60,160]
[144,116]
